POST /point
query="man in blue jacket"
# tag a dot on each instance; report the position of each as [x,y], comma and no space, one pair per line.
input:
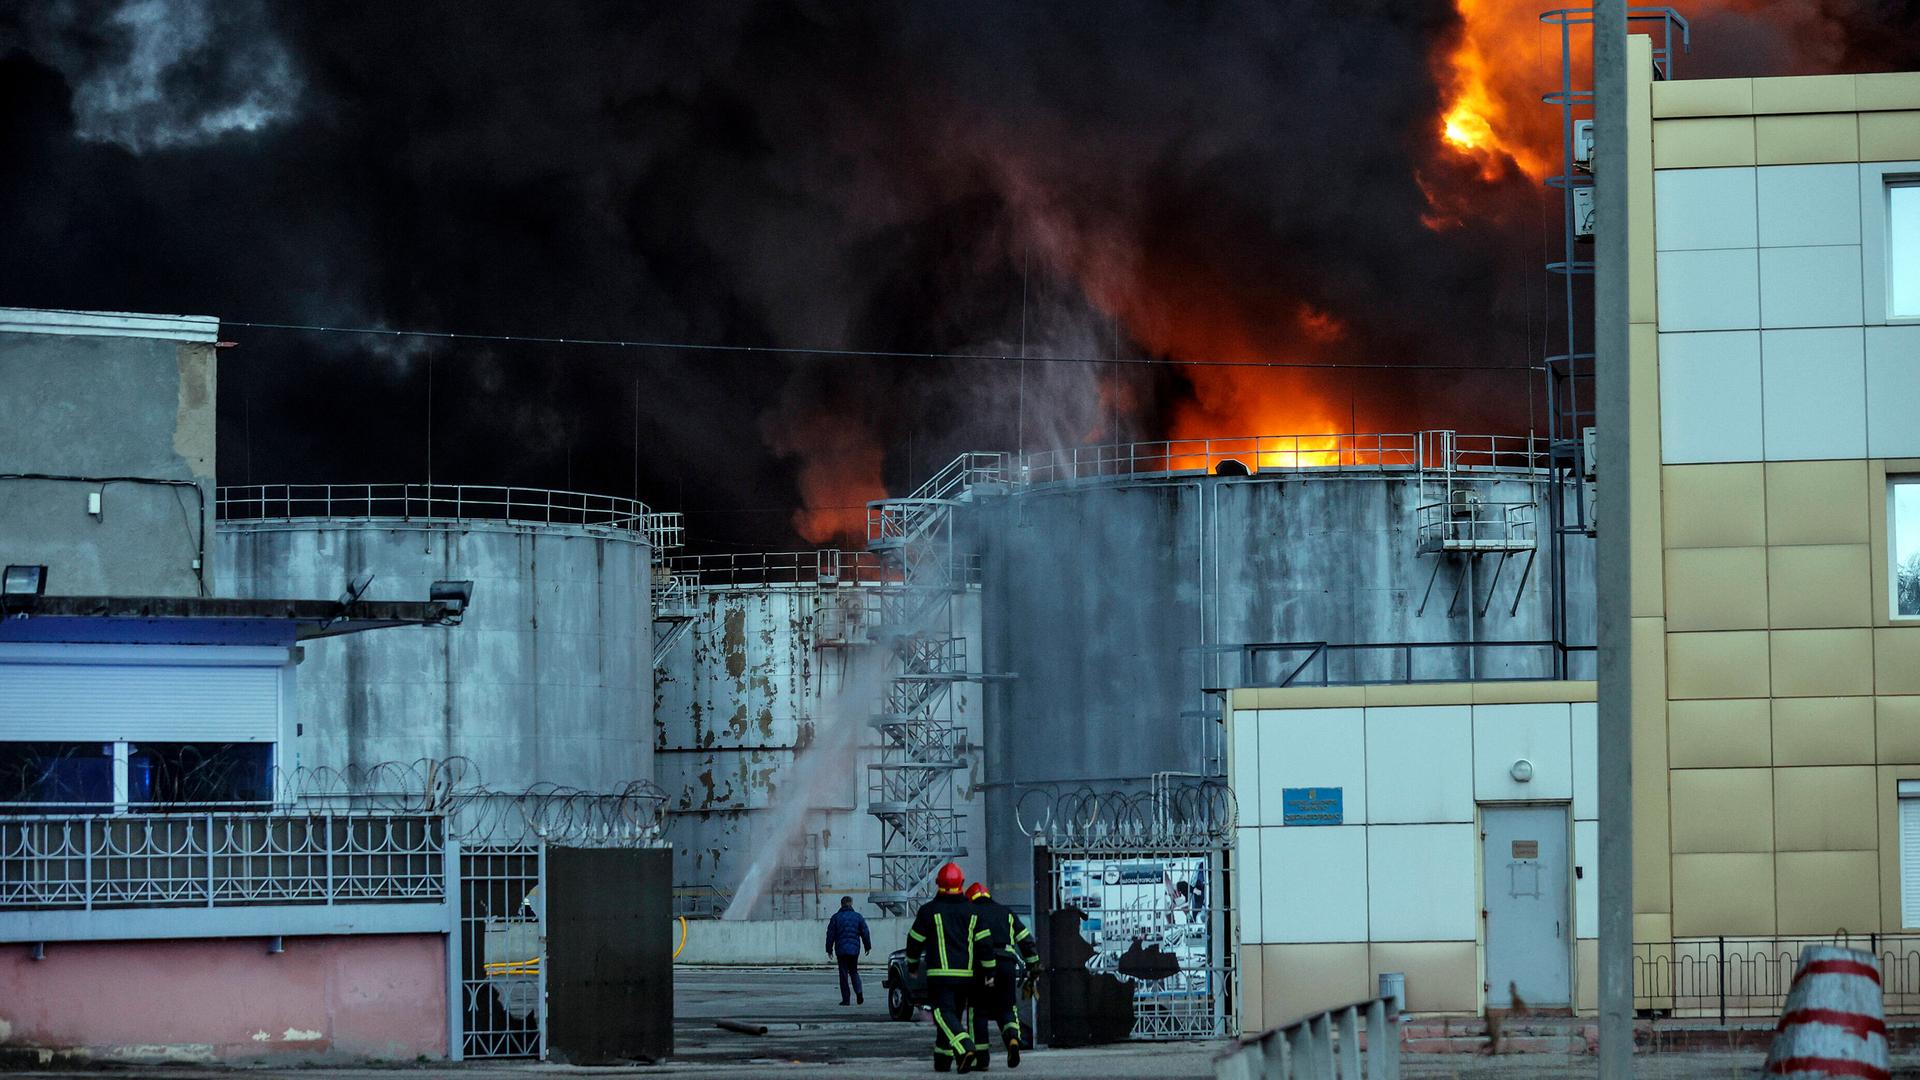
[846,935]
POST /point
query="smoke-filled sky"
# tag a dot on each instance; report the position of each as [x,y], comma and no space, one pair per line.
[1333,181]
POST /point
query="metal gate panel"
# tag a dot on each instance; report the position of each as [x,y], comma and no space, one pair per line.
[503,979]
[1131,899]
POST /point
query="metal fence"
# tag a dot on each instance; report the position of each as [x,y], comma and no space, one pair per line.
[1322,1046]
[214,860]
[444,502]
[1726,978]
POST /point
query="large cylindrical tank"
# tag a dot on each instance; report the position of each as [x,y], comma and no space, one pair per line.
[1116,603]
[548,678]
[758,752]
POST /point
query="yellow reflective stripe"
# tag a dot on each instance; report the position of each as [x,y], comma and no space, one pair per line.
[940,936]
[1023,934]
[916,935]
[958,1046]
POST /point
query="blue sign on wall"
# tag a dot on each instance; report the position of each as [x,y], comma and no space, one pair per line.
[1310,806]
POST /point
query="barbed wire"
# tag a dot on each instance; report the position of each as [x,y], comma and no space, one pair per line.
[479,815]
[1167,816]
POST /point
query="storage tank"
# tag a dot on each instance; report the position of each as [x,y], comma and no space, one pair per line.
[1121,584]
[547,680]
[745,697]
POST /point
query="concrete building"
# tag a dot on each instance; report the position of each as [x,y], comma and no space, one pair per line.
[152,903]
[95,479]
[1775,386]
[1776,626]
[1443,831]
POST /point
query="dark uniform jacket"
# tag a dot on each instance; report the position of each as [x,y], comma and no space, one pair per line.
[1008,941]
[947,929]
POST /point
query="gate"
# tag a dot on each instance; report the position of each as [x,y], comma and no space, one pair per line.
[1131,893]
[502,978]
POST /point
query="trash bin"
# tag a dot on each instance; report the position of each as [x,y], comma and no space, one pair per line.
[1393,985]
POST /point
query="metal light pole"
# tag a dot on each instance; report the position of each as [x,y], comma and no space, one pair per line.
[1614,554]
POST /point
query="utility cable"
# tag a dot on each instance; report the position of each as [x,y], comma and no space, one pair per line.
[869,354]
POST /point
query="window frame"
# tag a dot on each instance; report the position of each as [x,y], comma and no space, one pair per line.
[1877,181]
[1907,801]
[1896,481]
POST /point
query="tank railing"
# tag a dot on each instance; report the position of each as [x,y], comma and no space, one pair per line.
[1320,663]
[847,567]
[1333,454]
[666,531]
[437,502]
[1473,522]
[963,473]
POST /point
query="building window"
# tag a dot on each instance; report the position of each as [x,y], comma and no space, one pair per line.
[1910,853]
[96,778]
[1903,544]
[1903,249]
[50,777]
[180,776]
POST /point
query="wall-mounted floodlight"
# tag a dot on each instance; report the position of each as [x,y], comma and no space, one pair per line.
[23,580]
[456,595]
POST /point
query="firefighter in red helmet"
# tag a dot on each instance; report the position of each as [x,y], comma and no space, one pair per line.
[947,932]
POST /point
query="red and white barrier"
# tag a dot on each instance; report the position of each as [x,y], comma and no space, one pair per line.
[1834,1024]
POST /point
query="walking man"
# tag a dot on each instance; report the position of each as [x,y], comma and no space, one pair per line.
[996,997]
[947,931]
[846,937]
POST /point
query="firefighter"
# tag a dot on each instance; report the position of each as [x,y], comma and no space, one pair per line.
[947,930]
[996,996]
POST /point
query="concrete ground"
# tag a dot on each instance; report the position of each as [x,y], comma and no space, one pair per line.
[812,1038]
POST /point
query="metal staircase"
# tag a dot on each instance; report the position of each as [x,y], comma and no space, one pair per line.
[910,788]
[671,594]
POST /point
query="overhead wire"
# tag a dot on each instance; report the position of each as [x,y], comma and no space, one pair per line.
[868,354]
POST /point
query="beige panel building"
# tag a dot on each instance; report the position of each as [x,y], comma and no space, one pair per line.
[1775,239]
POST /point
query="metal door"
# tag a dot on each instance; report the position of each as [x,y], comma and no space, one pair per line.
[1529,919]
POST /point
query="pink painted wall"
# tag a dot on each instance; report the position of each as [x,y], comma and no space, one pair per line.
[325,998]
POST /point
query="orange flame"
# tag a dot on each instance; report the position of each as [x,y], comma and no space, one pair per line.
[1491,81]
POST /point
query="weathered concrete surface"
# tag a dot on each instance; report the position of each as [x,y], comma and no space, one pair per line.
[1100,597]
[323,999]
[778,942]
[548,679]
[99,407]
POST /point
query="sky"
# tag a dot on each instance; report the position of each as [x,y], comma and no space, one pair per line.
[1334,182]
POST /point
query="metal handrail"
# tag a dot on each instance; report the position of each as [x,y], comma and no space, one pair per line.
[266,503]
[1325,454]
[1321,655]
[1307,1049]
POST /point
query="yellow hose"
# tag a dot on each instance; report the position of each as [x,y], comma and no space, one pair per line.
[683,937]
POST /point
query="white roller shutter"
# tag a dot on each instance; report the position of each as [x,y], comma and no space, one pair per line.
[1910,853]
[86,693]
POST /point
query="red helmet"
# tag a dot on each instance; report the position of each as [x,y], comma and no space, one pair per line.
[976,890]
[950,879]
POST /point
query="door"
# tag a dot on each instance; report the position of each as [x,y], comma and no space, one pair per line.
[1529,918]
[610,993]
